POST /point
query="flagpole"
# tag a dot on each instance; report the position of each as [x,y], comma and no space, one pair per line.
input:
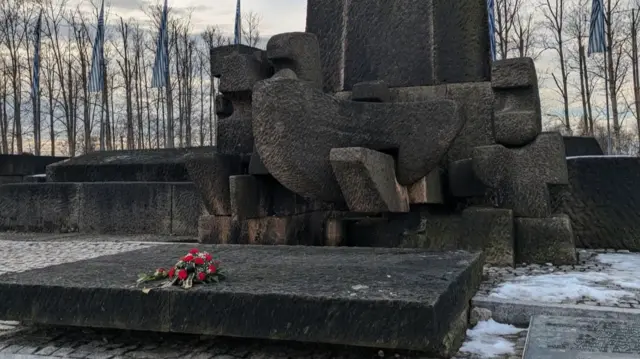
[606,90]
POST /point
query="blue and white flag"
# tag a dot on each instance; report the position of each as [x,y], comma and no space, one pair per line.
[492,28]
[161,64]
[596,30]
[96,79]
[35,85]
[237,34]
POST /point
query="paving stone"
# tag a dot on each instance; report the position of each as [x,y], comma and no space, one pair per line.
[570,337]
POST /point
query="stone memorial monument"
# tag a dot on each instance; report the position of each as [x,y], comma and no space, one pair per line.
[352,128]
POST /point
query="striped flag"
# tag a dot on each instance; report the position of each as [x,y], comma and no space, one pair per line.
[492,28]
[161,64]
[96,80]
[237,38]
[596,31]
[35,86]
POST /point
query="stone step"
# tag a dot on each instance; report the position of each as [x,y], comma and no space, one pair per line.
[370,297]
[572,338]
[163,208]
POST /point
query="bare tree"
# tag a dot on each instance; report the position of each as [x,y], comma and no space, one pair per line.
[553,11]
[251,27]
[127,74]
[506,16]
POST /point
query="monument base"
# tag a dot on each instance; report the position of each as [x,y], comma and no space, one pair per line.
[403,299]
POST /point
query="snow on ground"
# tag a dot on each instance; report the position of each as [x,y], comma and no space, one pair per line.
[616,281]
[487,340]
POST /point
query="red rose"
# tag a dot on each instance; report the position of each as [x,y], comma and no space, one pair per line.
[208,257]
[188,258]
[212,269]
[199,261]
[202,276]
[194,251]
[172,272]
[182,274]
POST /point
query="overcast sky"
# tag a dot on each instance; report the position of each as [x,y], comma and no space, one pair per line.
[277,16]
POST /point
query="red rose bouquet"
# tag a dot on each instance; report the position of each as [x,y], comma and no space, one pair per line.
[194,268]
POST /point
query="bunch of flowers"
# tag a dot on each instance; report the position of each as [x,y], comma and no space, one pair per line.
[195,267]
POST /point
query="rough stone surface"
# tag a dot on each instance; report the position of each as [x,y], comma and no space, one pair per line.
[545,240]
[241,71]
[603,201]
[261,196]
[368,182]
[256,167]
[108,207]
[296,126]
[414,43]
[513,73]
[24,165]
[163,165]
[371,91]
[478,315]
[310,229]
[426,228]
[428,190]
[463,181]
[39,207]
[210,175]
[219,53]
[582,146]
[363,290]
[518,120]
[570,337]
[299,52]
[490,230]
[327,20]
[520,176]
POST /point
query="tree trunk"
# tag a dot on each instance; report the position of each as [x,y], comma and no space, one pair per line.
[613,92]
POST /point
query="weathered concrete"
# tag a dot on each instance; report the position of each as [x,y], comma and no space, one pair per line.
[296,288]
[603,201]
[519,313]
[582,146]
[163,165]
[412,43]
[108,207]
[24,165]
[568,338]
[545,240]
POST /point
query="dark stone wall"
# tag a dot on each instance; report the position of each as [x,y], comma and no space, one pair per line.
[106,208]
[603,202]
[24,165]
[582,146]
[163,165]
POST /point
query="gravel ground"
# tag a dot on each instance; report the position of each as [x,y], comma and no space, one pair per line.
[494,276]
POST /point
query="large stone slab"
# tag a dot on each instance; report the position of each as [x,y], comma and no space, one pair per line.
[520,177]
[163,165]
[295,127]
[545,240]
[603,201]
[582,146]
[107,207]
[368,182]
[582,338]
[210,175]
[24,165]
[404,299]
[407,43]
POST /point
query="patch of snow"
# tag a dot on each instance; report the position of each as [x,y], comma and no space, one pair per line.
[616,282]
[601,156]
[359,287]
[42,175]
[486,339]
